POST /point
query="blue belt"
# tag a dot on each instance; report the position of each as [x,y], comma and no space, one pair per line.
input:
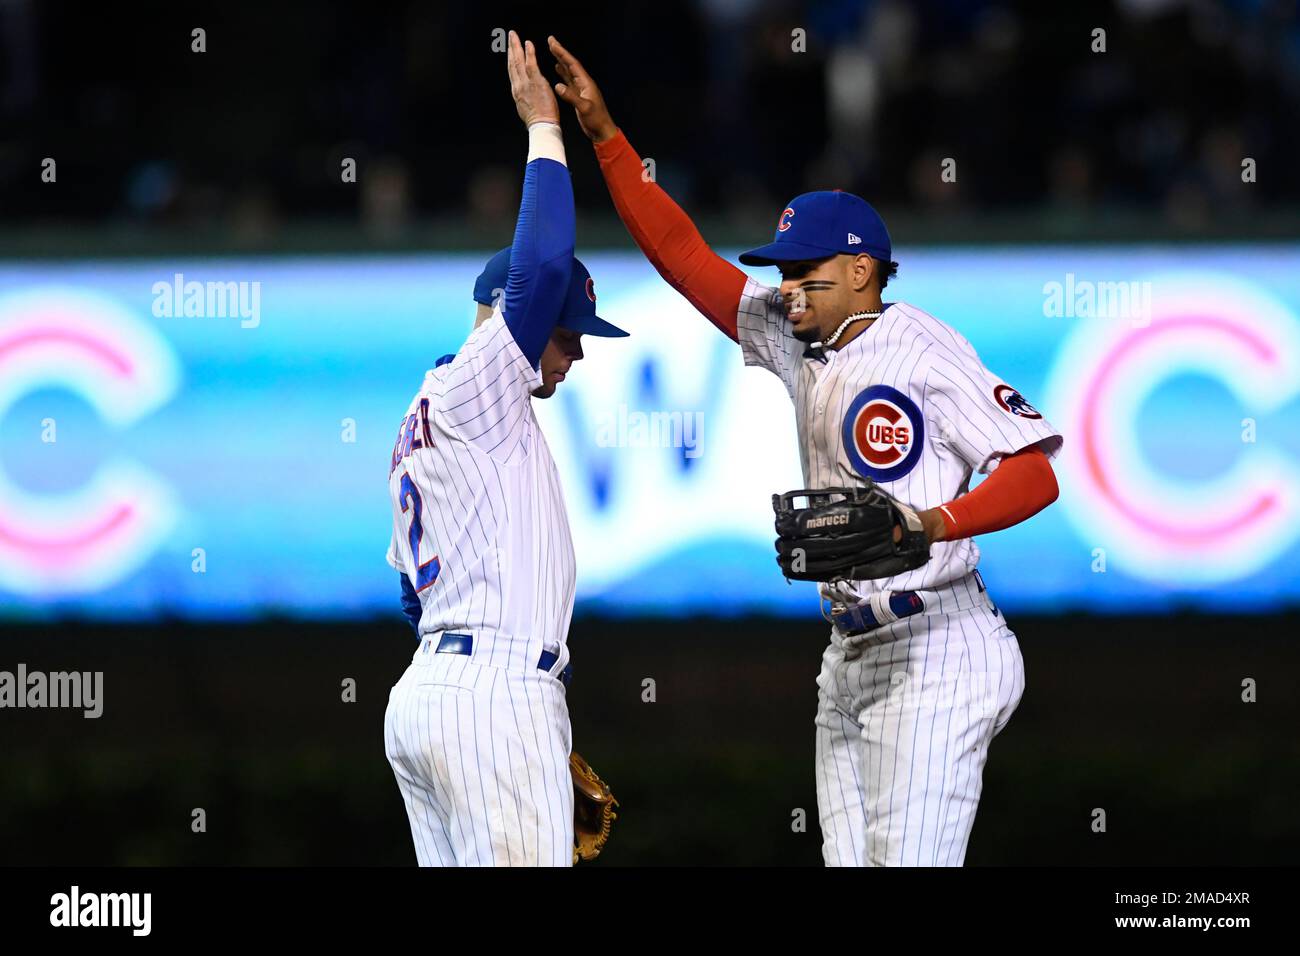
[860,619]
[451,643]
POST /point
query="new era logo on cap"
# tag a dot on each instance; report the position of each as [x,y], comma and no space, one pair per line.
[821,224]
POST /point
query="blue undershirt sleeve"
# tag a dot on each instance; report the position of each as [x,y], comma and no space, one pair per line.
[410,603]
[541,257]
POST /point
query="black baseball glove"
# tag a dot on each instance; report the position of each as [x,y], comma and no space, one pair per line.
[847,534]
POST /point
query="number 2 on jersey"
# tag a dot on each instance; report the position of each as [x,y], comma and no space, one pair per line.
[427,573]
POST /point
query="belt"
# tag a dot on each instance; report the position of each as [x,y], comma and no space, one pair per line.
[886,607]
[451,643]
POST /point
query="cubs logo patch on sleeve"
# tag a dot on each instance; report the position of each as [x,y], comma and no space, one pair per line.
[883,433]
[1009,400]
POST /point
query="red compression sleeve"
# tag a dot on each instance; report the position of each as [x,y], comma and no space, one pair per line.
[668,237]
[1020,487]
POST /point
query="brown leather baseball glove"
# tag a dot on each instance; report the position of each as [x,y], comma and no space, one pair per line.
[593,810]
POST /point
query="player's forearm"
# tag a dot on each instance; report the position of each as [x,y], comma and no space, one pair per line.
[541,256]
[1022,485]
[669,238]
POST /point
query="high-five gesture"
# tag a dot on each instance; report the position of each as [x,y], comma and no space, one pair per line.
[579,90]
[533,97]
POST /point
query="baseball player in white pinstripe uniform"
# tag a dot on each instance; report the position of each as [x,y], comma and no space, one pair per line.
[921,671]
[906,708]
[477,728]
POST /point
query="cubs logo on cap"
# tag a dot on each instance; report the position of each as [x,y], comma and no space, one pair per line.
[883,433]
[1012,401]
[578,314]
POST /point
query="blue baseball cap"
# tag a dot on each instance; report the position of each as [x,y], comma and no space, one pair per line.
[821,224]
[578,314]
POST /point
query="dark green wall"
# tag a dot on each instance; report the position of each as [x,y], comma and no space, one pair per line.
[1142,717]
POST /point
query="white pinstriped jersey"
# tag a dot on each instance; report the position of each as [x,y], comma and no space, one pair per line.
[479,522]
[906,403]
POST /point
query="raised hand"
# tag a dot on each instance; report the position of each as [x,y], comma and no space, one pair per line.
[532,94]
[579,90]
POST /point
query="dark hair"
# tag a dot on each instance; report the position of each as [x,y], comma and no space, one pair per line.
[886,270]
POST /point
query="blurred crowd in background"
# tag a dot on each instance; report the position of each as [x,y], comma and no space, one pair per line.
[738,109]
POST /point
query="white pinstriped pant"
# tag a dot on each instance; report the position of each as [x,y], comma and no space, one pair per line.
[481,756]
[905,717]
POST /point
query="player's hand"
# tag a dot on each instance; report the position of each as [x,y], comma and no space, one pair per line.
[931,522]
[533,97]
[579,90]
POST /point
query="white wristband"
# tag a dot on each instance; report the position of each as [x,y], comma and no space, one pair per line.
[545,141]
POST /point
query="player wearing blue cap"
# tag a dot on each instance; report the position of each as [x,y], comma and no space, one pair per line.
[477,728]
[921,671]
[577,318]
